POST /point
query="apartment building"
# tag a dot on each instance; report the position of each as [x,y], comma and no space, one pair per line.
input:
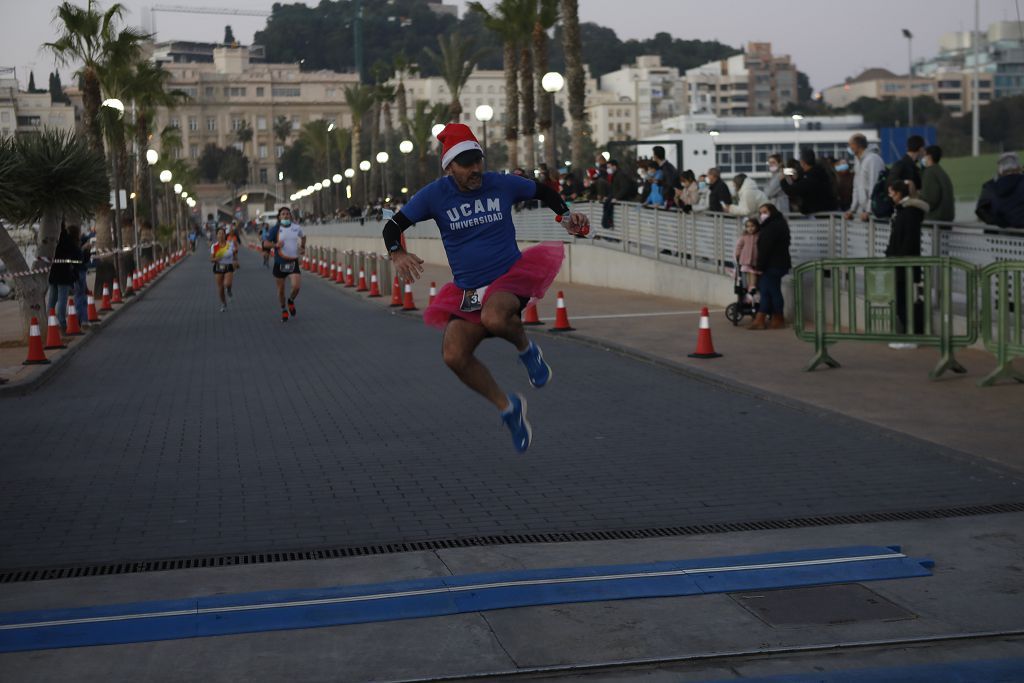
[753,83]
[23,113]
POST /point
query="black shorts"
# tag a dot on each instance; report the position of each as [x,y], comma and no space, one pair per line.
[266,250]
[219,269]
[282,275]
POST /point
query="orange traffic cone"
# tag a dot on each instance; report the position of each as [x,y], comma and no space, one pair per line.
[116,298]
[35,345]
[561,316]
[705,349]
[396,293]
[408,304]
[105,302]
[339,275]
[74,328]
[90,313]
[333,271]
[323,268]
[136,281]
[53,340]
[530,316]
[433,293]
[362,282]
[349,279]
[129,285]
[374,287]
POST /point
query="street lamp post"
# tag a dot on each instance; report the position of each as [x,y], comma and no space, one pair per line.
[116,108]
[152,156]
[405,146]
[177,209]
[552,82]
[364,166]
[382,159]
[350,173]
[910,77]
[327,148]
[484,113]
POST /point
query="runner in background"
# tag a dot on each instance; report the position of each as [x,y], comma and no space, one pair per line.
[290,244]
[224,256]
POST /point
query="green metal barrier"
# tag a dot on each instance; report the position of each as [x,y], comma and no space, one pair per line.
[874,315]
[1003,280]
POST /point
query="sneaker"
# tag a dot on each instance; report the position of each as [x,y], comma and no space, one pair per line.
[515,419]
[538,369]
[291,308]
[223,308]
[284,316]
[902,346]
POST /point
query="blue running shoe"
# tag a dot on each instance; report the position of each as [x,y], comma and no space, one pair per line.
[515,419]
[539,370]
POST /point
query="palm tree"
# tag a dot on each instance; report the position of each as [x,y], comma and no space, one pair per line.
[574,77]
[546,17]
[244,135]
[503,21]
[282,128]
[360,100]
[456,63]
[402,67]
[90,38]
[424,116]
[46,178]
[528,114]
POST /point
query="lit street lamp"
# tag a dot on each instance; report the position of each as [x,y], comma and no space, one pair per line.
[382,159]
[116,108]
[484,113]
[152,156]
[364,166]
[405,147]
[552,82]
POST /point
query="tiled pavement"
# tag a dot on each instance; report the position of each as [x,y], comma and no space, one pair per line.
[188,431]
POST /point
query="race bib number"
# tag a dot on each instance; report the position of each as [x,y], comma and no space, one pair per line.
[472,300]
[287,267]
[221,268]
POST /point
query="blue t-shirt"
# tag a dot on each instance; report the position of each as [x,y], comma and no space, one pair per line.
[476,227]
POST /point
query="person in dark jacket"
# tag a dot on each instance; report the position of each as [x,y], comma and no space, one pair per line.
[813,191]
[773,261]
[718,192]
[905,240]
[937,187]
[669,175]
[1002,199]
[906,167]
[622,190]
[64,271]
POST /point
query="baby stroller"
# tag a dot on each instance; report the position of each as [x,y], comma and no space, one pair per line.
[746,300]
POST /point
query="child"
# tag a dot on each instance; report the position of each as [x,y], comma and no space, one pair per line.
[746,254]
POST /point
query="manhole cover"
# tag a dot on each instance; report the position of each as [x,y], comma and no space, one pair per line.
[842,604]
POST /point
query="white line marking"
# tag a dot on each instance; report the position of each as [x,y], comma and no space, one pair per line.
[451,589]
[632,315]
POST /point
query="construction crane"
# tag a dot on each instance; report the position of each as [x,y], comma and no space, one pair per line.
[184,9]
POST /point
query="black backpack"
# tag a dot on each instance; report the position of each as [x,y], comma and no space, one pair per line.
[881,204]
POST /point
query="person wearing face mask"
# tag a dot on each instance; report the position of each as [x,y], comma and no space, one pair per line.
[748,197]
[718,192]
[773,190]
[844,182]
[813,191]
[936,187]
[688,197]
[773,261]
[290,242]
[653,183]
[867,166]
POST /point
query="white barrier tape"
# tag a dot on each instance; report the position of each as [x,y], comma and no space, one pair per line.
[96,254]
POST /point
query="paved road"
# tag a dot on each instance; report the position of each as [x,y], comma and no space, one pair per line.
[186,431]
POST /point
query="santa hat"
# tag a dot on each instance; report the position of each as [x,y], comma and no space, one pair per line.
[456,138]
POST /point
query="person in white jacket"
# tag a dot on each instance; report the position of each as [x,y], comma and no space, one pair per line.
[749,197]
[866,169]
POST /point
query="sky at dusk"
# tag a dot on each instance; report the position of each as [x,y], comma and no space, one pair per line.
[830,40]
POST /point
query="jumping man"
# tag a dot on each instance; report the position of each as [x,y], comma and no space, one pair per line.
[290,243]
[494,281]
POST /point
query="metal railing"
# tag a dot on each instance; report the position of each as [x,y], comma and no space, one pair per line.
[1002,330]
[866,297]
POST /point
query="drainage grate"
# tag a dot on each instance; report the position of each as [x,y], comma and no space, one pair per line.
[113,568]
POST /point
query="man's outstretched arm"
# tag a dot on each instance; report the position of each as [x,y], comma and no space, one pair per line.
[574,223]
[407,266]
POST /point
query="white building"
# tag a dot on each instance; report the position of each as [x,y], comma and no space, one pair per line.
[23,113]
[753,83]
[657,91]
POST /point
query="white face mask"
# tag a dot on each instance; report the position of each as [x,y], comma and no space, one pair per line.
[762,217]
[774,168]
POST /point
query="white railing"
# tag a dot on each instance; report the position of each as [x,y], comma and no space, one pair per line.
[706,240]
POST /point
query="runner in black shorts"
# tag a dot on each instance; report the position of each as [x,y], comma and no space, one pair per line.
[290,244]
[224,256]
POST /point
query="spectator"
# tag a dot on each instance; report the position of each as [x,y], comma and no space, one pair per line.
[906,167]
[718,192]
[746,254]
[812,191]
[936,187]
[570,191]
[688,196]
[1002,199]
[81,274]
[748,197]
[905,240]
[64,271]
[868,165]
[844,183]
[653,184]
[774,188]
[669,179]
[773,262]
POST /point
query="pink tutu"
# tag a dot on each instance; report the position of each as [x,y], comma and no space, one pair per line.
[529,277]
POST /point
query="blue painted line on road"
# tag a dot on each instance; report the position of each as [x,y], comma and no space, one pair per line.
[976,671]
[438,596]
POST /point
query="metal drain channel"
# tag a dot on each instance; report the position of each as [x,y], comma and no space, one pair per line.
[160,565]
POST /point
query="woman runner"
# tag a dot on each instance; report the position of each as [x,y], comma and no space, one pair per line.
[224,255]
